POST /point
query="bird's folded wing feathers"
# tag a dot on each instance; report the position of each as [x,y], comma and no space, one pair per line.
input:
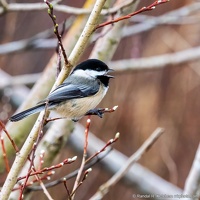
[68,91]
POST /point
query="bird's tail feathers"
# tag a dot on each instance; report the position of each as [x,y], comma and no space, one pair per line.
[26,113]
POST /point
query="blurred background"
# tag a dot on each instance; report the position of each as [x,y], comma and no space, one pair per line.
[165,97]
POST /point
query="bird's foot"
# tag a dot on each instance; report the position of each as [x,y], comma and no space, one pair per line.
[75,120]
[100,111]
[96,111]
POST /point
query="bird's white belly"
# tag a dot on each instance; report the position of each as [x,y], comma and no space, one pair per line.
[77,108]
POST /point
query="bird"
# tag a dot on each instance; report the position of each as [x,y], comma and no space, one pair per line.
[78,95]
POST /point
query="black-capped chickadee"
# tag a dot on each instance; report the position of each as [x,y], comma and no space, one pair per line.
[78,95]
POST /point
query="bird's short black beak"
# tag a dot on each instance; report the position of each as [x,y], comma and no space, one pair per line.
[108,75]
[111,70]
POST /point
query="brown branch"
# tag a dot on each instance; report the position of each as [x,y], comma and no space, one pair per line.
[47,169]
[31,166]
[4,155]
[68,192]
[111,141]
[91,163]
[8,135]
[144,9]
[81,182]
[77,181]
[192,184]
[58,35]
[27,147]
[104,189]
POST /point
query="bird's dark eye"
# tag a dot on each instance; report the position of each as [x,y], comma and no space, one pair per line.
[98,69]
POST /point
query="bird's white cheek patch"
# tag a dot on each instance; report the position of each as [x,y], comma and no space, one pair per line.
[80,73]
[94,74]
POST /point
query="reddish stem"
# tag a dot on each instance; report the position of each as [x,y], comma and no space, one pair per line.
[144,9]
[8,135]
[5,155]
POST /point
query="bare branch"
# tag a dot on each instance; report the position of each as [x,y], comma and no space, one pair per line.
[73,58]
[192,185]
[144,9]
[26,79]
[146,23]
[157,62]
[149,63]
[9,137]
[104,189]
[37,41]
[58,35]
[105,47]
[76,184]
[5,158]
[15,7]
[74,173]
[137,174]
[169,17]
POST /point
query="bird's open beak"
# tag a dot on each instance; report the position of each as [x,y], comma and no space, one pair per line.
[111,70]
[108,75]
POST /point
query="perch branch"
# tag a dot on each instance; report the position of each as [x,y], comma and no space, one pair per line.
[73,58]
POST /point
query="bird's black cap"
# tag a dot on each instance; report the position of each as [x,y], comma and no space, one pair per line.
[92,64]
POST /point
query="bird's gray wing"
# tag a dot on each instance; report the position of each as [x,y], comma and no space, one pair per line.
[67,91]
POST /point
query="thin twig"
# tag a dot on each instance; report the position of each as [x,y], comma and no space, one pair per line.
[111,141]
[76,184]
[4,154]
[192,184]
[133,159]
[58,35]
[170,164]
[68,192]
[72,174]
[59,51]
[47,169]
[136,176]
[168,18]
[45,191]
[11,7]
[73,58]
[144,9]
[178,16]
[31,166]
[81,182]
[8,135]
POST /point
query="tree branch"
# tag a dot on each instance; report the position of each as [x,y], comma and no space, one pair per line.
[137,175]
[73,58]
[169,17]
[157,62]
[15,7]
[192,184]
[104,189]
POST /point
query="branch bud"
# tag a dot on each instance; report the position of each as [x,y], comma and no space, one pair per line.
[49,11]
[117,135]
